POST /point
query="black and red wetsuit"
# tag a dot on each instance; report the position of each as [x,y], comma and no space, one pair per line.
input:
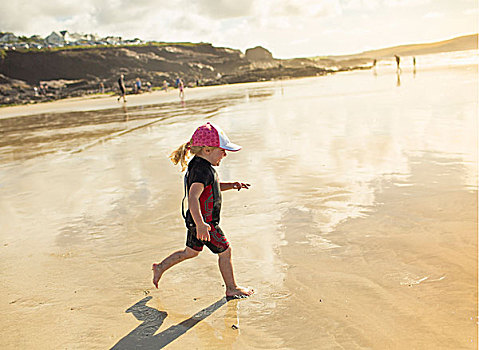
[200,170]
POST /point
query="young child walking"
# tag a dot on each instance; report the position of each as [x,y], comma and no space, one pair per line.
[203,190]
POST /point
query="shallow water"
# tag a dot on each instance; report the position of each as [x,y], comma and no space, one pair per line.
[359,230]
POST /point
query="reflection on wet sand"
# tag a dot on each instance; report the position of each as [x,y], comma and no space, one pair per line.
[359,230]
[27,137]
[360,286]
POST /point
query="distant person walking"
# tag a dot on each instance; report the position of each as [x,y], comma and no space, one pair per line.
[398,61]
[165,85]
[121,85]
[181,87]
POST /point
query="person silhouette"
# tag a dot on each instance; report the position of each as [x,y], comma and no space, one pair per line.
[121,86]
[181,88]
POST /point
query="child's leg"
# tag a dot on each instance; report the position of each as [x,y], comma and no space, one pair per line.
[226,268]
[171,260]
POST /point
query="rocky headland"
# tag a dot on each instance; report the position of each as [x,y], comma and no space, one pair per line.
[28,76]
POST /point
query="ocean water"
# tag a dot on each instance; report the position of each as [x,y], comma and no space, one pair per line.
[437,60]
[359,229]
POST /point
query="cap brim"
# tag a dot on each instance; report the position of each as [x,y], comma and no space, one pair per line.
[231,147]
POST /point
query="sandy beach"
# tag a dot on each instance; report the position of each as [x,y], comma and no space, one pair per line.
[107,101]
[359,230]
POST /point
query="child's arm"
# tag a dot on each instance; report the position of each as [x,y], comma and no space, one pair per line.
[224,186]
[202,228]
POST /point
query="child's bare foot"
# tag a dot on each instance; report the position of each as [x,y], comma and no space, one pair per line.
[157,272]
[239,292]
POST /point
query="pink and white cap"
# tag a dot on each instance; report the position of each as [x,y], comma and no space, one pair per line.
[212,135]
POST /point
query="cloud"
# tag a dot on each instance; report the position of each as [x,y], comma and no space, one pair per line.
[358,5]
[406,3]
[302,9]
[473,12]
[286,27]
[223,9]
[433,15]
[372,5]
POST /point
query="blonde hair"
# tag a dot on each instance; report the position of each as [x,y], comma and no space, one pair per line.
[182,153]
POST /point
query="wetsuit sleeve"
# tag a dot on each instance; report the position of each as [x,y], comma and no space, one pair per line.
[204,177]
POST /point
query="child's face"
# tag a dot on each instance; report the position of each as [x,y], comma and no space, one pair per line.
[215,156]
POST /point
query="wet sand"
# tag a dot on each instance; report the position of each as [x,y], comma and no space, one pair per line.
[359,230]
[108,101]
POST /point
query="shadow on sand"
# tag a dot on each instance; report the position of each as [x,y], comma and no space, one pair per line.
[142,337]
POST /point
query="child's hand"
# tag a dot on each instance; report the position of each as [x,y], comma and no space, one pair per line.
[239,185]
[203,232]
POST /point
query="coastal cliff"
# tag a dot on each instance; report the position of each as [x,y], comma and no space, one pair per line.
[70,72]
[75,72]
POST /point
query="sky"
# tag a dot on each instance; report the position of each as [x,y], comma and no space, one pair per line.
[288,28]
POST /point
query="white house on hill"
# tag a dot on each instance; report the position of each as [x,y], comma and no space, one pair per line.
[112,40]
[55,39]
[8,38]
[72,38]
